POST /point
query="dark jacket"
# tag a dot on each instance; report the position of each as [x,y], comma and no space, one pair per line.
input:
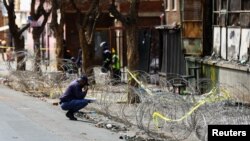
[79,59]
[107,57]
[74,91]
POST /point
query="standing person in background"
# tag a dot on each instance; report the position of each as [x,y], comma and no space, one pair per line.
[67,54]
[10,56]
[107,57]
[2,48]
[116,72]
[79,61]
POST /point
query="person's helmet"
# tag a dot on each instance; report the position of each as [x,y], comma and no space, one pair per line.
[104,44]
[73,59]
[83,78]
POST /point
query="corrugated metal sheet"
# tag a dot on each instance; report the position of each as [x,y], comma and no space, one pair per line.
[144,49]
[173,57]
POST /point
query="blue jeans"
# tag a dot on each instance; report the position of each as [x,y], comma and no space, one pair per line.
[74,105]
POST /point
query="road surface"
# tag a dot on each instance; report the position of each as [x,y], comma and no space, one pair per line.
[25,118]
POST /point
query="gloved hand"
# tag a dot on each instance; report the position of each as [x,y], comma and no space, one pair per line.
[90,101]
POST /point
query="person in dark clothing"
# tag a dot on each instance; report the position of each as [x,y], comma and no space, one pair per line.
[79,58]
[67,57]
[79,61]
[73,99]
[67,54]
[73,69]
[107,57]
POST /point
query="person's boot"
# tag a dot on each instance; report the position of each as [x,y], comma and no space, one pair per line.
[70,115]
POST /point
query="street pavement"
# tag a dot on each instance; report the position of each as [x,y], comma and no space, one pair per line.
[25,118]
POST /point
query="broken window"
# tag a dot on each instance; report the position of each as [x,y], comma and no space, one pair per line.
[222,19]
[223,4]
[245,4]
[228,13]
[234,19]
[216,19]
[234,5]
[244,19]
[216,5]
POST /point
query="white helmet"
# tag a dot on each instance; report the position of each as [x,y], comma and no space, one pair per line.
[103,44]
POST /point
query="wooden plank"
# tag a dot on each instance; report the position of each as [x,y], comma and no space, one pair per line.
[192,10]
[192,29]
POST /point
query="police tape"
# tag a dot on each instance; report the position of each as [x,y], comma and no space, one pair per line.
[140,83]
[212,97]
[46,48]
[6,47]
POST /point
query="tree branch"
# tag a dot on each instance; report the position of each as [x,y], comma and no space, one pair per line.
[24,28]
[96,14]
[78,12]
[54,25]
[6,5]
[112,9]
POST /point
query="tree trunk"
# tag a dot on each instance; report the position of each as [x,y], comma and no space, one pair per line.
[59,51]
[132,47]
[88,53]
[16,33]
[37,51]
[58,28]
[19,46]
[133,59]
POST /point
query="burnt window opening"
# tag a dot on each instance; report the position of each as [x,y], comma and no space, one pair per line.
[234,5]
[245,4]
[234,19]
[222,20]
[244,19]
[216,5]
[223,4]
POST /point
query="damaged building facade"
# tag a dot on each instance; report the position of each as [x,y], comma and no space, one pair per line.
[210,38]
[229,62]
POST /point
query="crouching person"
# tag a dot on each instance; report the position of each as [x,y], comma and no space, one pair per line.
[73,99]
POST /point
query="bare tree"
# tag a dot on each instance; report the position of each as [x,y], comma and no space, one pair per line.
[58,28]
[35,14]
[16,32]
[86,27]
[130,22]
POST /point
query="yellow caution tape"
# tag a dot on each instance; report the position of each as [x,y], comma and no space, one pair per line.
[140,83]
[210,98]
[6,47]
[45,48]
